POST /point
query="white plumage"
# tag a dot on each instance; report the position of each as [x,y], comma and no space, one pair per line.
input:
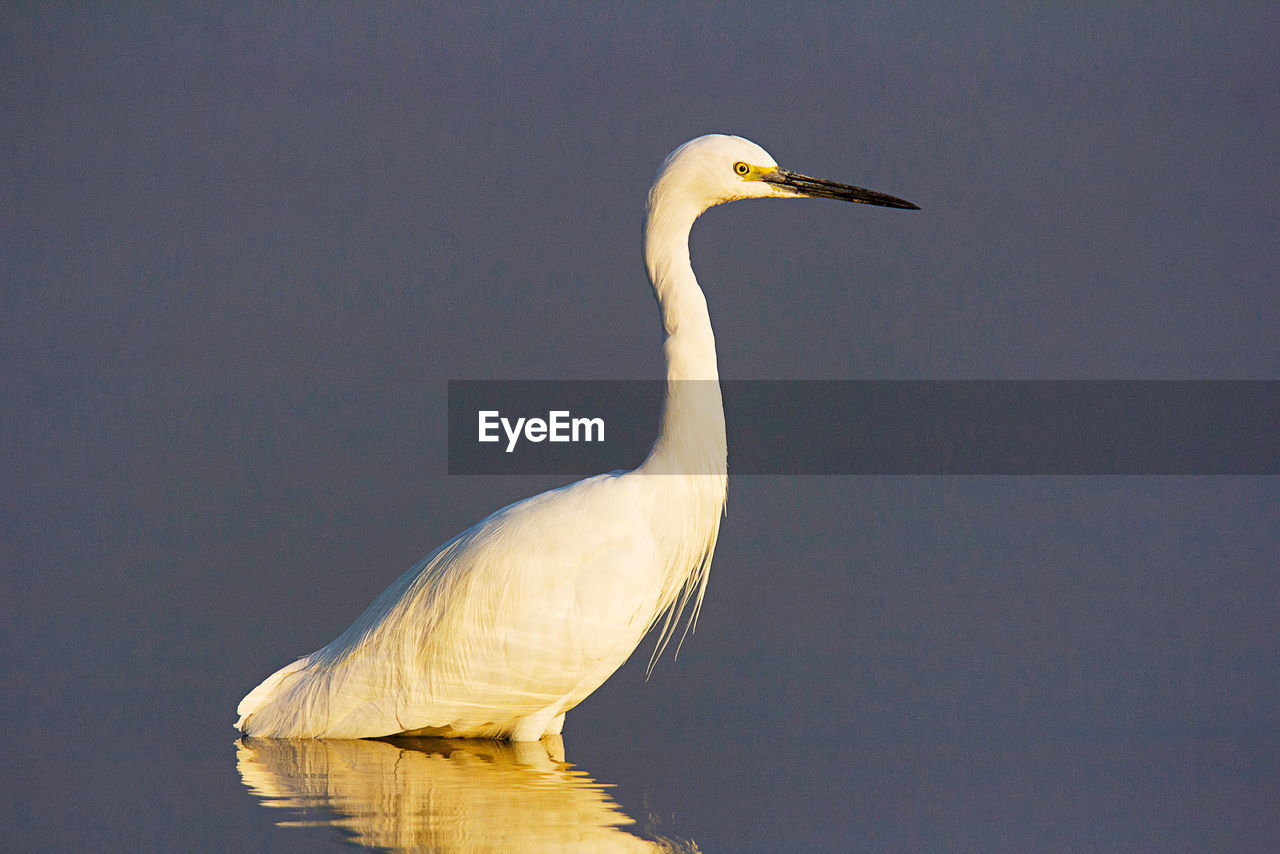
[503,629]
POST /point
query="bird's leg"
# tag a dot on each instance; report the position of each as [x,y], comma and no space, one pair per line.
[532,727]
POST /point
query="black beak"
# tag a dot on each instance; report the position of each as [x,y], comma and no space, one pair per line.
[803,185]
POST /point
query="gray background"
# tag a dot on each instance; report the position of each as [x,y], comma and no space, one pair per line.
[243,248]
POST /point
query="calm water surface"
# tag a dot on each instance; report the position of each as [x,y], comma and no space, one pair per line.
[731,791]
[442,795]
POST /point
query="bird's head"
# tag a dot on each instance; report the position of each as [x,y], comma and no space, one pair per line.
[719,168]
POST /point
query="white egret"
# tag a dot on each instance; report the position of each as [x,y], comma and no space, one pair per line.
[506,627]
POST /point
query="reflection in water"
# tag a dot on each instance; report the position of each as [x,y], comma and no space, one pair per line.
[436,794]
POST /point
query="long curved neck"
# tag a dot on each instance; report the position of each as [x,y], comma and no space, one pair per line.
[691,439]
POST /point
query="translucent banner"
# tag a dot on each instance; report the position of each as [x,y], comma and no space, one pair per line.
[1031,427]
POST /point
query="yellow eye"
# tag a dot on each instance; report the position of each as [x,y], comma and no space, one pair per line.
[741,168]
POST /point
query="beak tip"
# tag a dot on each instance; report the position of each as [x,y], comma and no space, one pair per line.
[803,185]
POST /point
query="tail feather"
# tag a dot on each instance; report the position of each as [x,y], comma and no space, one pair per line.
[268,691]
